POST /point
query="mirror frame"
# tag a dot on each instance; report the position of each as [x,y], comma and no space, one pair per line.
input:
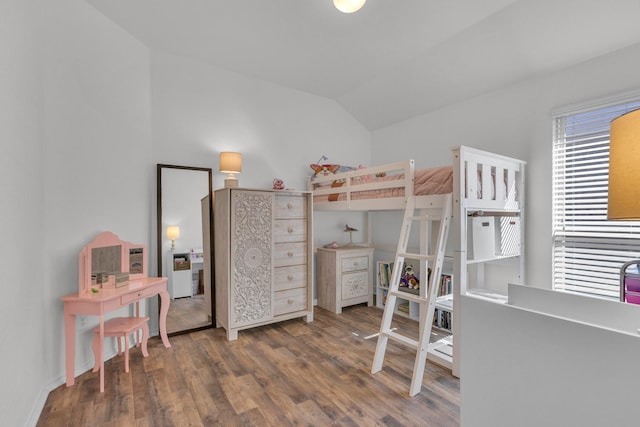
[159,234]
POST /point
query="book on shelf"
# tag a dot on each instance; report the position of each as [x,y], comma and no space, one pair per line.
[445,287]
[442,319]
[403,308]
[384,273]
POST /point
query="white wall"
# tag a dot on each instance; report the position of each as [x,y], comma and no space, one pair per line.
[97,163]
[200,110]
[514,121]
[23,354]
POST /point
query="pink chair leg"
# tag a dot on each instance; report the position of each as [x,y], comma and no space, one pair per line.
[96,351]
[126,353]
[145,338]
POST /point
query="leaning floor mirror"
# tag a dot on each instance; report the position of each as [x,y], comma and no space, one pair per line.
[185,245]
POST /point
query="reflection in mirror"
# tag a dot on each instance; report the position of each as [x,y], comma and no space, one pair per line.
[185,245]
[106,259]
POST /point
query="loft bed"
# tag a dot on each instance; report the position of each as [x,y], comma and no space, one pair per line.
[482,184]
[385,187]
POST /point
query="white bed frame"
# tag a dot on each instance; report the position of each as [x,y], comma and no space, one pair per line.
[466,184]
[472,169]
[321,186]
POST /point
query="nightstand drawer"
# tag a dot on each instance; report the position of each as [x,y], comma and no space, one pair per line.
[290,277]
[355,285]
[290,230]
[290,254]
[290,301]
[290,207]
[355,263]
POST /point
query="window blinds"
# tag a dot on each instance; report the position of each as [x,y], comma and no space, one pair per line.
[588,250]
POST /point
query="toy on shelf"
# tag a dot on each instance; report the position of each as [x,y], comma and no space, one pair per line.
[278,184]
[350,230]
[409,279]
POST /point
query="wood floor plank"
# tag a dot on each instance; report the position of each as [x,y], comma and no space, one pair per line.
[285,374]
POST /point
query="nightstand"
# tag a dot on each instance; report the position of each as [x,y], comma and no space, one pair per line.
[179,274]
[344,277]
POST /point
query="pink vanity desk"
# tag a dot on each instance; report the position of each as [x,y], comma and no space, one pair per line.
[116,254]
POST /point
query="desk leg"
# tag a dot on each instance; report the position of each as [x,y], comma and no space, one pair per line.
[162,320]
[101,352]
[70,346]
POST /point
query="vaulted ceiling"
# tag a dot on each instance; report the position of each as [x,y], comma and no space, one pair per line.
[393,59]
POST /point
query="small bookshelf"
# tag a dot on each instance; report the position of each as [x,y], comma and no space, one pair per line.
[442,317]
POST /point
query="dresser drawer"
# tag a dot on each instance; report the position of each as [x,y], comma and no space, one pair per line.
[290,254]
[136,296]
[290,230]
[290,277]
[355,285]
[290,207]
[290,301]
[355,263]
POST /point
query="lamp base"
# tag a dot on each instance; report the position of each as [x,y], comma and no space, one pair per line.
[231,183]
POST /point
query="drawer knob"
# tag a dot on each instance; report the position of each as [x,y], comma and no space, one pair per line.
[290,253]
[290,229]
[289,206]
[289,301]
[290,277]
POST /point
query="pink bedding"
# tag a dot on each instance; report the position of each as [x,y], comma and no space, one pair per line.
[433,181]
[437,180]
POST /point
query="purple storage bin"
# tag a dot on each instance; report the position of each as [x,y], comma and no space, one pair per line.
[632,283]
[633,298]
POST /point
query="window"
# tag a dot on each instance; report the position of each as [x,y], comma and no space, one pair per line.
[588,250]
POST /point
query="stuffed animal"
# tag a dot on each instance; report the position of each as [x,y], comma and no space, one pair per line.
[409,278]
[278,184]
[324,170]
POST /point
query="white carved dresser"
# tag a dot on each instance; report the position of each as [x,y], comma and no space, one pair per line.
[263,257]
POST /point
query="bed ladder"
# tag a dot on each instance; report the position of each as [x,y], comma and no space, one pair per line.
[427,298]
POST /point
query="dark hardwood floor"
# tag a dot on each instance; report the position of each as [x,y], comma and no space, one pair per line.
[286,374]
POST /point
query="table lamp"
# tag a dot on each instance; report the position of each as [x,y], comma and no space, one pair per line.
[230,163]
[173,232]
[624,176]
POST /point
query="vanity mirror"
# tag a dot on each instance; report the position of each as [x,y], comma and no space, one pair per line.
[185,244]
[107,254]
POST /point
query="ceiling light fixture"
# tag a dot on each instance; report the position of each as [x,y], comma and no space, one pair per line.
[348,6]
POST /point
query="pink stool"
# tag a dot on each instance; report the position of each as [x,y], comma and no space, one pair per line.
[122,327]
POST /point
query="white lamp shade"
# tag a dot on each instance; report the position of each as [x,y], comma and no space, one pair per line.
[173,232]
[230,162]
[624,167]
[348,6]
